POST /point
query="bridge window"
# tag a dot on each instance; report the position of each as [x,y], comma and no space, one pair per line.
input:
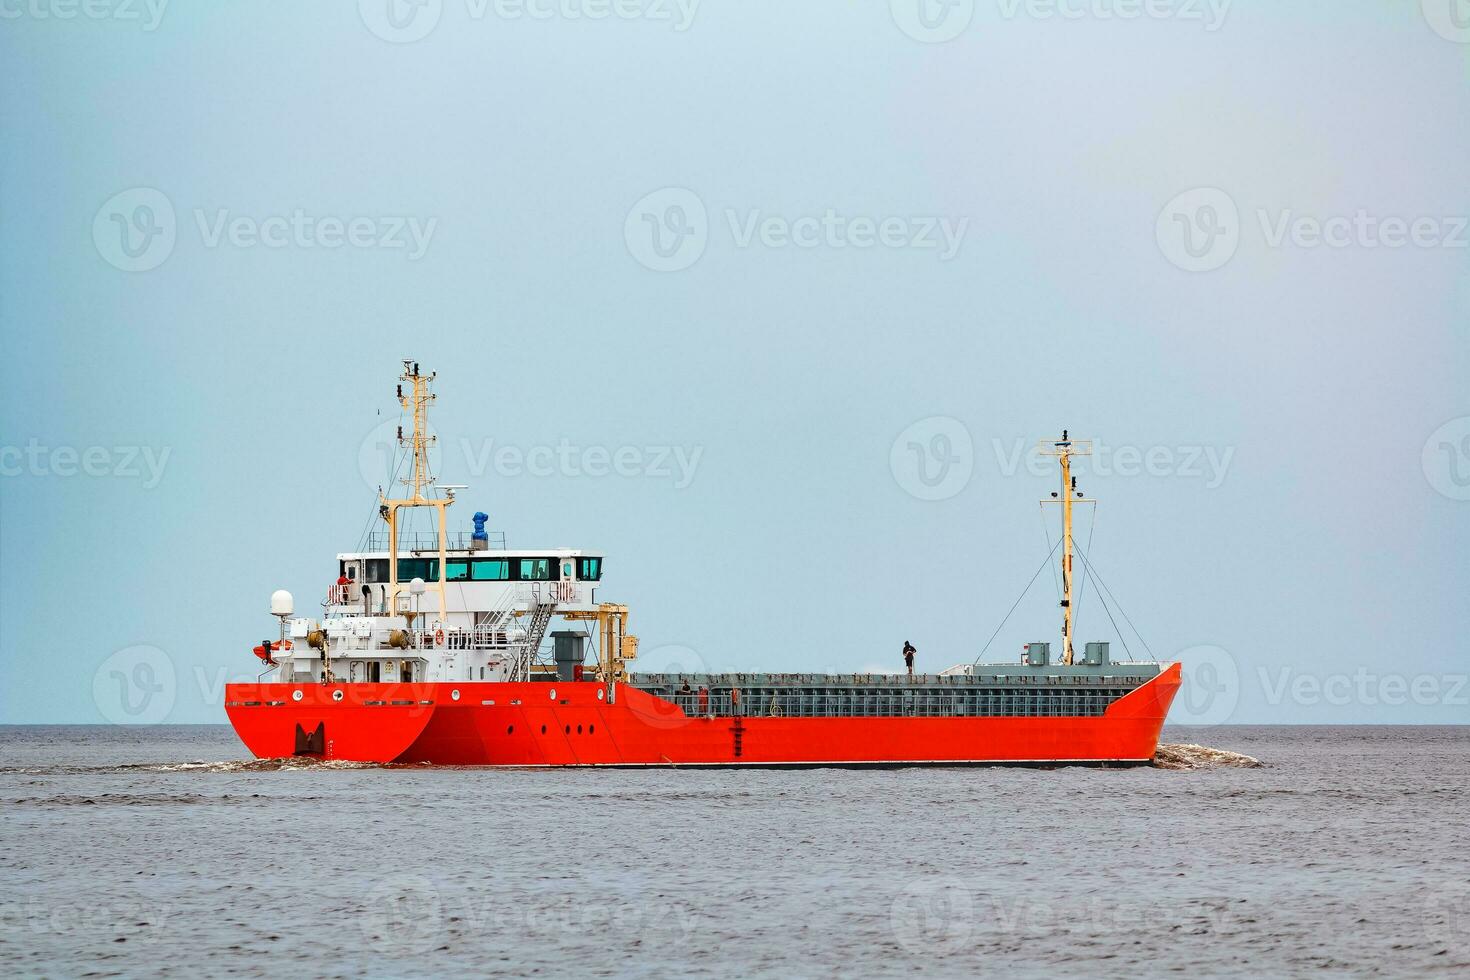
[490,570]
[456,571]
[412,568]
[535,570]
[377,569]
[589,569]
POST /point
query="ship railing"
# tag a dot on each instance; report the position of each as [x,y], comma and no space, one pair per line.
[755,703]
[564,593]
[426,639]
[427,541]
[349,594]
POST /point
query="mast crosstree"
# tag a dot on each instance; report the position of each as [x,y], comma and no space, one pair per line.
[419,481]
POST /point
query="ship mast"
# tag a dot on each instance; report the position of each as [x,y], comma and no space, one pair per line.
[416,401]
[1064,449]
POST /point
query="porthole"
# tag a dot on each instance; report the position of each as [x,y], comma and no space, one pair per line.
[295,695]
[510,729]
[553,694]
[454,694]
[591,729]
[599,694]
[569,729]
[579,729]
[336,695]
[543,729]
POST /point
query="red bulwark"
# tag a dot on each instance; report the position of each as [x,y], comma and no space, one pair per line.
[572,724]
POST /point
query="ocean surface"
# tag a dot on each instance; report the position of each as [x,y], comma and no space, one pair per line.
[164,852]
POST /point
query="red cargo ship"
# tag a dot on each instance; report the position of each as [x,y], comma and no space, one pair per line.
[429,651]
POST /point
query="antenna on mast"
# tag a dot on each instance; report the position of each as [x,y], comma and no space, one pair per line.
[1064,449]
[416,402]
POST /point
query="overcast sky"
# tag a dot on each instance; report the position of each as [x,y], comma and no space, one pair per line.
[766,302]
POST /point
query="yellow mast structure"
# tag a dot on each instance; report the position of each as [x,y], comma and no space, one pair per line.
[1064,450]
[419,481]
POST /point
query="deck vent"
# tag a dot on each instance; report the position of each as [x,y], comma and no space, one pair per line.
[1038,654]
[568,653]
[1095,653]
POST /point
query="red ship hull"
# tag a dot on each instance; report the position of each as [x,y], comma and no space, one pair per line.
[572,724]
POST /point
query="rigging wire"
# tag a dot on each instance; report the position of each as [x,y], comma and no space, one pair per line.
[1043,564]
[1082,585]
[1041,506]
[1109,593]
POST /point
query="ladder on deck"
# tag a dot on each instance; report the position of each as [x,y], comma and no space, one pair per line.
[540,618]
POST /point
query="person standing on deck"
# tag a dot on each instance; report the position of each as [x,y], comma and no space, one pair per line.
[686,697]
[734,700]
[703,700]
[908,656]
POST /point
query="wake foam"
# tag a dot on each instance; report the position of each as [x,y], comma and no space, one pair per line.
[1190,756]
